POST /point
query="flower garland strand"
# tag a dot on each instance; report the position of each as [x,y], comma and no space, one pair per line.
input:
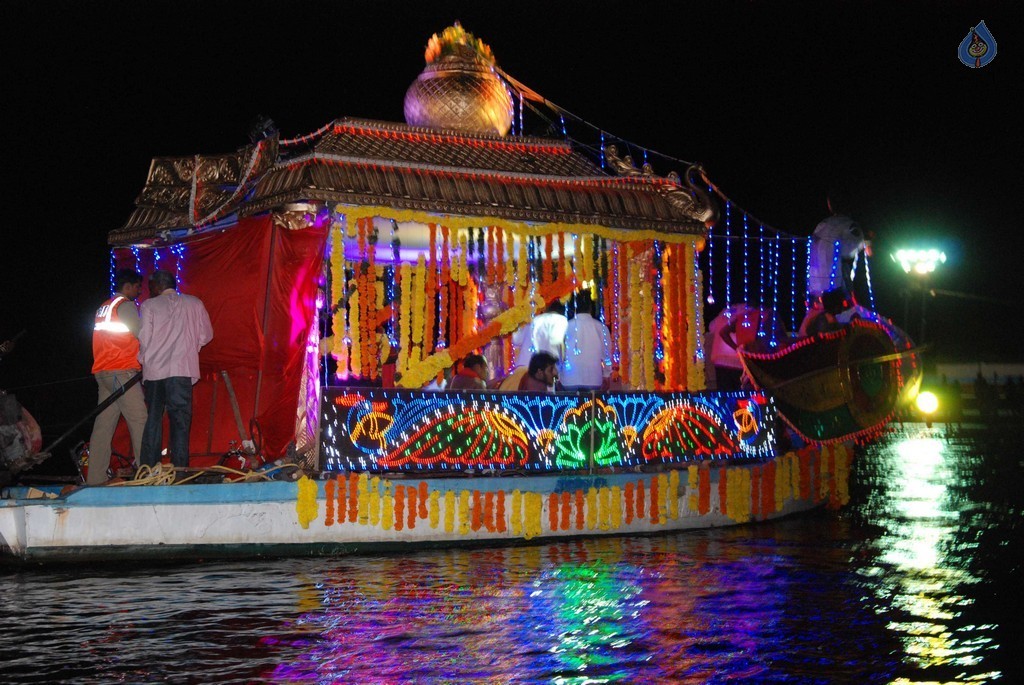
[625,317]
[682,317]
[372,296]
[668,339]
[522,270]
[695,356]
[636,373]
[430,287]
[339,322]
[405,319]
[418,292]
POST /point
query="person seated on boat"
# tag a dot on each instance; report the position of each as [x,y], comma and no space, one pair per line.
[540,376]
[826,317]
[835,246]
[757,330]
[473,375]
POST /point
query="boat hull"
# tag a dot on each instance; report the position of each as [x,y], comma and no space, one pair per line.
[361,512]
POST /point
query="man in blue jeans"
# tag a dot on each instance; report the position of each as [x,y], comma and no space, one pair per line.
[174,328]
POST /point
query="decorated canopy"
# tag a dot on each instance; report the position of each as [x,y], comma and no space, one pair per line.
[407,246]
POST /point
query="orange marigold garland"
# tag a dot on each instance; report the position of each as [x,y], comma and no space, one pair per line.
[430,287]
[405,318]
[492,269]
[500,250]
[548,271]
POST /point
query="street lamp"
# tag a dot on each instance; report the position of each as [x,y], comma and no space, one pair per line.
[920,263]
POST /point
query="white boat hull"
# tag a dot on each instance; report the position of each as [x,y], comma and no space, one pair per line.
[357,512]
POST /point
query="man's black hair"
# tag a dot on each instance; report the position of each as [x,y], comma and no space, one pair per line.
[540,361]
[124,276]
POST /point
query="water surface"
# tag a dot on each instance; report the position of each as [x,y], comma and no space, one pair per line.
[916,581]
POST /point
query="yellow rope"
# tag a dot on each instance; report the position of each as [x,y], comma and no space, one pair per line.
[165,474]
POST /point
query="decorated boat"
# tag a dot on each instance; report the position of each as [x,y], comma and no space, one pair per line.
[840,385]
[347,271]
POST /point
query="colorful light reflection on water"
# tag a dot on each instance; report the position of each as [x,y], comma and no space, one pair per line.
[914,583]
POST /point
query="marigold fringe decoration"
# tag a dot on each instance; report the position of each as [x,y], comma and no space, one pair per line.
[611,310]
[355,360]
[647,331]
[522,271]
[417,290]
[463,261]
[623,255]
[668,340]
[370,299]
[430,290]
[500,251]
[548,273]
[338,347]
[636,372]
[587,246]
[469,323]
[492,268]
[510,273]
[404,321]
[681,316]
[305,503]
[694,357]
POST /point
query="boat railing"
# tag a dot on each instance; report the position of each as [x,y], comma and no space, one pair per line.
[476,432]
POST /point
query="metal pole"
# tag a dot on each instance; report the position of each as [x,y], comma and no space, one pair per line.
[43,455]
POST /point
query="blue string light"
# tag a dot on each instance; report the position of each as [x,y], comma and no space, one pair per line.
[760,281]
[698,309]
[835,265]
[711,261]
[728,254]
[746,260]
[807,270]
[521,114]
[658,291]
[792,285]
[602,150]
[179,252]
[565,133]
[774,248]
[113,268]
[871,290]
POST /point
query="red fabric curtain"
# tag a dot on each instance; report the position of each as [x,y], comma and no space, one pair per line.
[259,285]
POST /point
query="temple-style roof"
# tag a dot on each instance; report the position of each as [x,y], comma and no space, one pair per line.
[361,162]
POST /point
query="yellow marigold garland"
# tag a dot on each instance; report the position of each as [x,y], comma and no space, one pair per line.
[404,322]
[338,348]
[355,331]
[694,292]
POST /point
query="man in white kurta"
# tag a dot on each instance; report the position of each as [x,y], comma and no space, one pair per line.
[587,364]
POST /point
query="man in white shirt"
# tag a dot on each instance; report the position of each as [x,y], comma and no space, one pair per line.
[587,364]
[546,333]
[835,247]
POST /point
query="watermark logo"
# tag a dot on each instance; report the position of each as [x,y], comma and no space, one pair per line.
[978,48]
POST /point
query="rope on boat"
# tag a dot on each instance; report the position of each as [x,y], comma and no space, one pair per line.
[166,474]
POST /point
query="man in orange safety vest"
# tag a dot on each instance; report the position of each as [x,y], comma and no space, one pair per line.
[115,351]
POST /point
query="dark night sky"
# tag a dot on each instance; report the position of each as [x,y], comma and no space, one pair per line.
[779,101]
